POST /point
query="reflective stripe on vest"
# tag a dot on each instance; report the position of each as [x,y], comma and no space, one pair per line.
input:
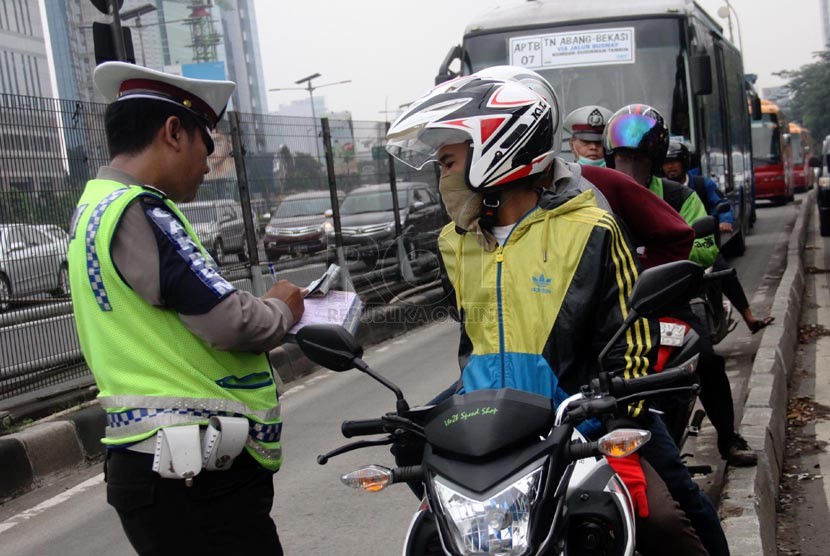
[93,265]
[133,422]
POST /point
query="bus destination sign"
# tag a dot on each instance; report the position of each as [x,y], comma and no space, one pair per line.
[576,48]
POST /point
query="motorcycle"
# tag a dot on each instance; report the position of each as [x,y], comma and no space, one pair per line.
[679,348]
[505,472]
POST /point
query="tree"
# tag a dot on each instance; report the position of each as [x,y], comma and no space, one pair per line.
[810,89]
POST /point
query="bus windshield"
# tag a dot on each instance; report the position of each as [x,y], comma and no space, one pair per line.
[766,141]
[653,71]
[797,148]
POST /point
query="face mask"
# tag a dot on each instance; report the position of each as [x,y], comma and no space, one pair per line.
[592,162]
[463,205]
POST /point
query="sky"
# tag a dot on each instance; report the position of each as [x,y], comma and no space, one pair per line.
[391,50]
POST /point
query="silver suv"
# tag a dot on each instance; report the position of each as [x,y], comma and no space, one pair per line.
[219,226]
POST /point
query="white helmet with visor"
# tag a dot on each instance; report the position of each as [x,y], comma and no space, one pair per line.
[509,126]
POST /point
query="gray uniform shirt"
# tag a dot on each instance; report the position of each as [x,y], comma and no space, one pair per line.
[238,321]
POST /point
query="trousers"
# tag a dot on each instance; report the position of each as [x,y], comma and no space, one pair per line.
[715,391]
[222,513]
[662,453]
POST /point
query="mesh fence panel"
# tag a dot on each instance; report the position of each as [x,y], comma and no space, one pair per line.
[50,148]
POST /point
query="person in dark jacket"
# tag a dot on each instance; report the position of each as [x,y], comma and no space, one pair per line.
[676,167]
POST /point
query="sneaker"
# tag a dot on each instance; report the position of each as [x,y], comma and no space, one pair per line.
[740,454]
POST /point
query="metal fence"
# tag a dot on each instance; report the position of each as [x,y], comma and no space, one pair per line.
[285,197]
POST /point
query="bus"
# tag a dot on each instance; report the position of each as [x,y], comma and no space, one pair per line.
[772,155]
[801,144]
[669,54]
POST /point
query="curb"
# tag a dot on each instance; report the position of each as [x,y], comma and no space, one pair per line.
[66,441]
[749,495]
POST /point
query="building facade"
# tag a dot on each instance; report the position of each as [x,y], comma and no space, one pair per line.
[29,146]
[24,68]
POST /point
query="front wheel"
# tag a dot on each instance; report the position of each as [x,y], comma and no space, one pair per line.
[245,254]
[218,252]
[63,282]
[5,294]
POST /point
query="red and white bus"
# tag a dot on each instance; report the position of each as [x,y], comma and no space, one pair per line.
[772,155]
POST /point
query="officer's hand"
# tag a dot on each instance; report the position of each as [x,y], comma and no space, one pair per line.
[725,227]
[290,294]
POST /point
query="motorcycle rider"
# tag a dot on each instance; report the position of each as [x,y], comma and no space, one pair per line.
[635,141]
[676,167]
[656,230]
[529,251]
[585,125]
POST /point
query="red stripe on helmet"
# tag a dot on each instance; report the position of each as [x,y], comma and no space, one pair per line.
[489,126]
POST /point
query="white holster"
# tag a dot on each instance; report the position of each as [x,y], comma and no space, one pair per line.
[181,452]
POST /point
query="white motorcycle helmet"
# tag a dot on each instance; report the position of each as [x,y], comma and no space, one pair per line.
[510,126]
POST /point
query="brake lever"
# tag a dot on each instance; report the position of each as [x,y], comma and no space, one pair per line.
[694,388]
[323,459]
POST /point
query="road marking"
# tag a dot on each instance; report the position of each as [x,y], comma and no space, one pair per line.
[51,503]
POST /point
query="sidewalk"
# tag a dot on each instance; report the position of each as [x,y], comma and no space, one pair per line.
[804,496]
[748,501]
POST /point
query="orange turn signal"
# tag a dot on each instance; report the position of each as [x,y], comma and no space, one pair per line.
[372,478]
[623,442]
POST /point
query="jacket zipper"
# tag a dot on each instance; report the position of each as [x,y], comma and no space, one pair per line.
[499,263]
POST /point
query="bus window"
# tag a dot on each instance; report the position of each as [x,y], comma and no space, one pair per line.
[650,76]
[713,120]
[766,144]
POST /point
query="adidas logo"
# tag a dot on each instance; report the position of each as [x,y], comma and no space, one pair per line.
[541,284]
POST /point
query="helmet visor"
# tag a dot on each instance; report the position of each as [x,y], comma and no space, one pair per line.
[417,147]
[627,131]
[416,136]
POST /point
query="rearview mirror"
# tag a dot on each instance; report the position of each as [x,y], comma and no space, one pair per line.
[700,69]
[330,346]
[444,71]
[417,205]
[666,286]
[705,226]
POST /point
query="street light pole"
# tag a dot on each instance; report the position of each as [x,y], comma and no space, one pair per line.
[307,80]
[726,12]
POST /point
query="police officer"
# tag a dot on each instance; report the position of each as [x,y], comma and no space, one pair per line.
[178,353]
[585,126]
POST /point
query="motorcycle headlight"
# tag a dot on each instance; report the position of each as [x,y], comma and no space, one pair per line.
[499,525]
[327,227]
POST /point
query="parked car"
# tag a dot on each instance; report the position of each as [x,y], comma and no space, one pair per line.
[298,225]
[367,219]
[32,261]
[220,227]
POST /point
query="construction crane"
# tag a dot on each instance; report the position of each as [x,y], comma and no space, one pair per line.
[203,35]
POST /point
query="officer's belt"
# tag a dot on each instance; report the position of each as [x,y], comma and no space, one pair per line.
[136,421]
[182,452]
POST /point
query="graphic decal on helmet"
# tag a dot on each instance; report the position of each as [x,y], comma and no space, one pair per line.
[509,126]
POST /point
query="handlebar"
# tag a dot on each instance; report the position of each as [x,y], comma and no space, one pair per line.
[363,427]
[720,274]
[621,387]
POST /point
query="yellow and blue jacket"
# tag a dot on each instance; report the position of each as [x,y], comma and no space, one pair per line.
[536,312]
